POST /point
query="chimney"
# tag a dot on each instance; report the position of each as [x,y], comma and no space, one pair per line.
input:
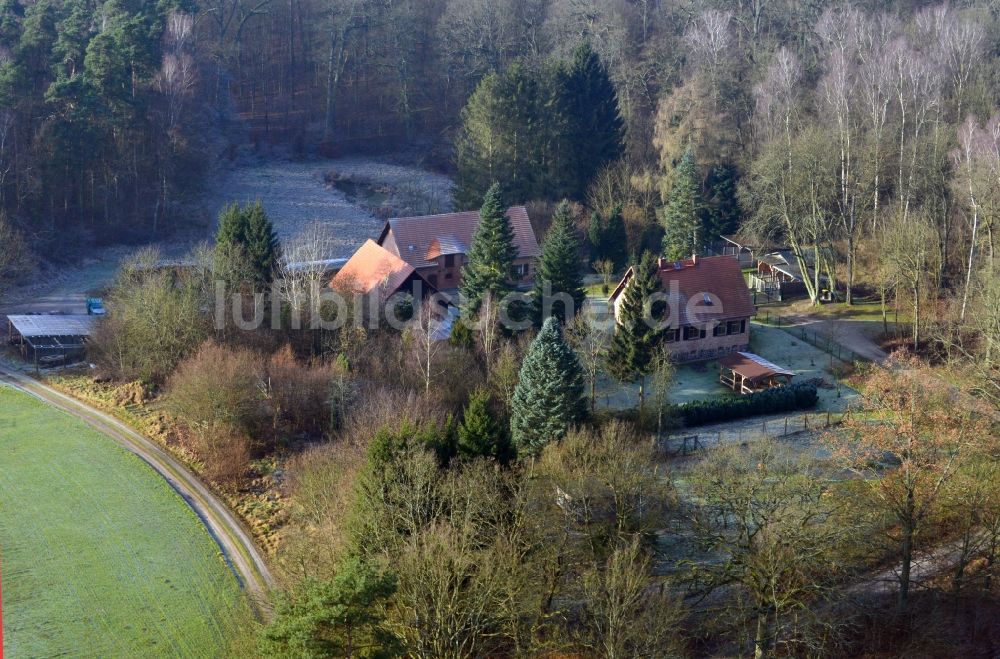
[694,259]
[661,263]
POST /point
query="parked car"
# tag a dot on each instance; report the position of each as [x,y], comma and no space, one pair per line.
[95,306]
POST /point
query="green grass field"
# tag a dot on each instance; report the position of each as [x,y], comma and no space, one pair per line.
[100,556]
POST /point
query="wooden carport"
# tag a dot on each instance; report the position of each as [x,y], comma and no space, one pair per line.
[745,373]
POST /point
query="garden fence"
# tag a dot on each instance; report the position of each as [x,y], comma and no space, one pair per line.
[687,442]
[812,337]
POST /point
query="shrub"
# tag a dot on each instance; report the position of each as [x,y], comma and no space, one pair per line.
[153,322]
[299,394]
[770,401]
[218,386]
[223,451]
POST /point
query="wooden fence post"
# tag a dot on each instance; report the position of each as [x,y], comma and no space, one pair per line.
[786,426]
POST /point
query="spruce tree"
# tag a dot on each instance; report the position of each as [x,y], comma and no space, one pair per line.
[630,356]
[616,239]
[595,236]
[502,138]
[591,124]
[722,207]
[261,243]
[248,230]
[480,433]
[558,270]
[548,397]
[491,255]
[682,215]
[335,618]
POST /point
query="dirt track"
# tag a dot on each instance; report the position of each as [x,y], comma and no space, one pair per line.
[235,542]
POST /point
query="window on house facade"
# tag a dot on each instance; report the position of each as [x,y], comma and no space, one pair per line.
[691,332]
[449,260]
[670,335]
[520,270]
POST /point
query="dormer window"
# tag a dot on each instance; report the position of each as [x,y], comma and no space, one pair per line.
[707,299]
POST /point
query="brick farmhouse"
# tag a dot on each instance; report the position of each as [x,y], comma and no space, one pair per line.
[437,246]
[708,306]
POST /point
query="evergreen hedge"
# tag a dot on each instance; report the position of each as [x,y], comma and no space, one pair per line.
[799,396]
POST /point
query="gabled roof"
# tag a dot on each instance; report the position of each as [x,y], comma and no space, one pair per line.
[445,245]
[784,261]
[717,277]
[418,240]
[751,366]
[373,267]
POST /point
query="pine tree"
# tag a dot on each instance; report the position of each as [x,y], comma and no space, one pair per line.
[262,243]
[336,618]
[501,138]
[591,123]
[480,433]
[558,270]
[630,356]
[492,254]
[248,230]
[548,397]
[722,208]
[595,236]
[616,239]
[682,214]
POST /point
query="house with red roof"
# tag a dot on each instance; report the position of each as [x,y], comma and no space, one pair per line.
[437,246]
[706,306]
[377,272]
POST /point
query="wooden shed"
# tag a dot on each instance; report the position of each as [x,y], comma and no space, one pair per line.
[745,373]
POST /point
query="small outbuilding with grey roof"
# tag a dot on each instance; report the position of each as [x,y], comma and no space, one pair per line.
[55,338]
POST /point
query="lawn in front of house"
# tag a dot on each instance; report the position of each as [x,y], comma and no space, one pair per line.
[700,380]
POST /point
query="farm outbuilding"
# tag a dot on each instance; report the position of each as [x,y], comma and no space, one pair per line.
[745,373]
[50,339]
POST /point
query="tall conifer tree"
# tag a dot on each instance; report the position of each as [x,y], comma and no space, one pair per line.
[682,214]
[492,254]
[558,270]
[248,229]
[630,356]
[592,126]
[549,396]
[501,138]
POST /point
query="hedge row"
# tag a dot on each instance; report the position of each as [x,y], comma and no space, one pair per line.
[770,401]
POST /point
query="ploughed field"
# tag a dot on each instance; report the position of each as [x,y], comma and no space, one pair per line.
[99,555]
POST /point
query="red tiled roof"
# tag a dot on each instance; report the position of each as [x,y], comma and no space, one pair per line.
[718,277]
[417,240]
[372,267]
